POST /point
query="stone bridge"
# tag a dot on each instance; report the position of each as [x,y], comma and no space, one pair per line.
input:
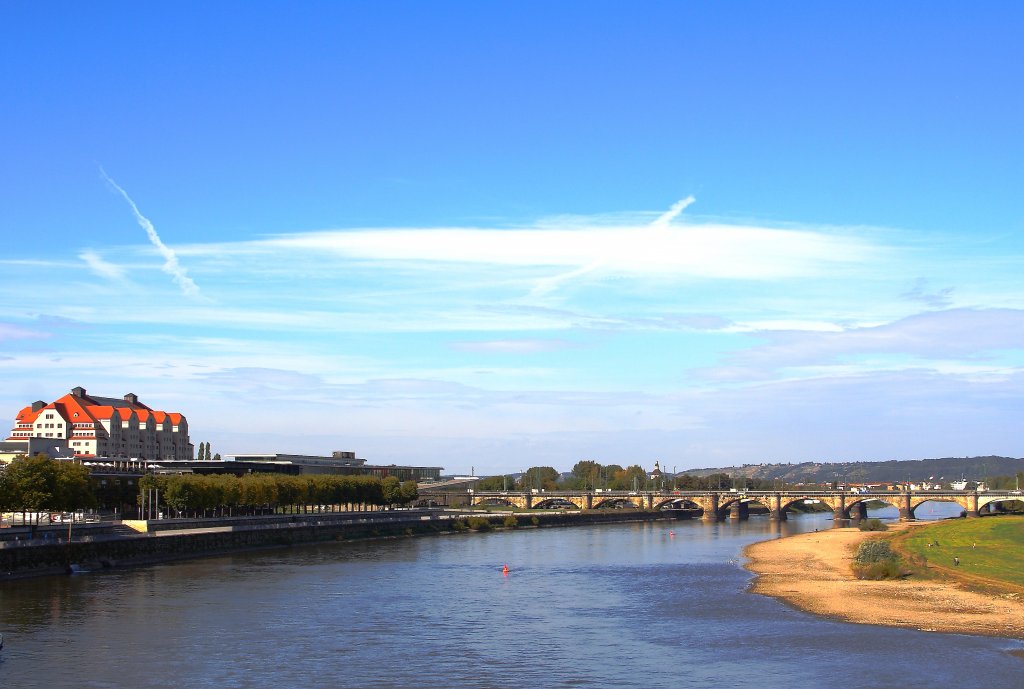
[719,505]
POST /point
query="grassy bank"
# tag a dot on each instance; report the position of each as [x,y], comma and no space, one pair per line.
[990,551]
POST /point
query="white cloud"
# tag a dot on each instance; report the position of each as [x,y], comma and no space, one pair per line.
[935,335]
[697,251]
[15,332]
[524,346]
[101,267]
[919,292]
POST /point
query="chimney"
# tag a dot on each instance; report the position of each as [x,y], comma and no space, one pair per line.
[131,398]
[78,392]
[37,405]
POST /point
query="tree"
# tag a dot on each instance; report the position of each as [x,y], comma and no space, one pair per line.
[32,482]
[391,490]
[496,483]
[545,478]
[6,494]
[201,449]
[631,478]
[36,484]
[409,493]
[588,472]
[73,490]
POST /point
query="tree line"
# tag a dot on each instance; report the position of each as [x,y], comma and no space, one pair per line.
[590,475]
[40,484]
[200,495]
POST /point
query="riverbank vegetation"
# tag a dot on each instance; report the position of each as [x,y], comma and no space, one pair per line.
[875,559]
[591,475]
[225,494]
[872,525]
[39,484]
[981,553]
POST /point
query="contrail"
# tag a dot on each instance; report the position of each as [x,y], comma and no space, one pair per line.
[548,285]
[171,265]
[672,213]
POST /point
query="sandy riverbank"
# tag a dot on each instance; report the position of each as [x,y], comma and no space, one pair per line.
[812,572]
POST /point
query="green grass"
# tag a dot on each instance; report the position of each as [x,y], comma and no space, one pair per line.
[990,549]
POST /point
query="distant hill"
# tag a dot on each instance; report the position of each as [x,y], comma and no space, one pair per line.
[948,468]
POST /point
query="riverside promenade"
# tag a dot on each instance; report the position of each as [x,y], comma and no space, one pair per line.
[138,542]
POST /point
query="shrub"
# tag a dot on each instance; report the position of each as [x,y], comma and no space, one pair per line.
[480,523]
[535,520]
[889,569]
[458,525]
[875,550]
[876,560]
[511,522]
[872,525]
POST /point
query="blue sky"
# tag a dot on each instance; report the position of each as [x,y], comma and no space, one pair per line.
[498,235]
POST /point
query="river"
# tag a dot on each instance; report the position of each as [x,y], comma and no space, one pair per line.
[630,605]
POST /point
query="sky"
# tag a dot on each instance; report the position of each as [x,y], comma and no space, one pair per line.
[489,236]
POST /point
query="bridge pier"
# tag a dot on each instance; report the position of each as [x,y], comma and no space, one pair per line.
[776,512]
[906,510]
[859,511]
[972,506]
[709,503]
[739,510]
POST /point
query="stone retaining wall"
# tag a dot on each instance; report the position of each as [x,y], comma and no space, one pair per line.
[217,537]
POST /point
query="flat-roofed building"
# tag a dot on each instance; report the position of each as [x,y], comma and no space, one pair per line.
[30,447]
[345,463]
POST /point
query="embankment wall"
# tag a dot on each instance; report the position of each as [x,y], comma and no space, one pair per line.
[217,537]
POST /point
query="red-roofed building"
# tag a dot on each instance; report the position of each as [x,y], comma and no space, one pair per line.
[106,427]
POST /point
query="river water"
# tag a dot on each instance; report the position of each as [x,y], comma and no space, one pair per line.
[629,605]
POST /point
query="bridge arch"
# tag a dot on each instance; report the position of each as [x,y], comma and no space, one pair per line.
[788,504]
[918,500]
[995,501]
[560,502]
[618,502]
[739,506]
[491,500]
[676,503]
[857,507]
